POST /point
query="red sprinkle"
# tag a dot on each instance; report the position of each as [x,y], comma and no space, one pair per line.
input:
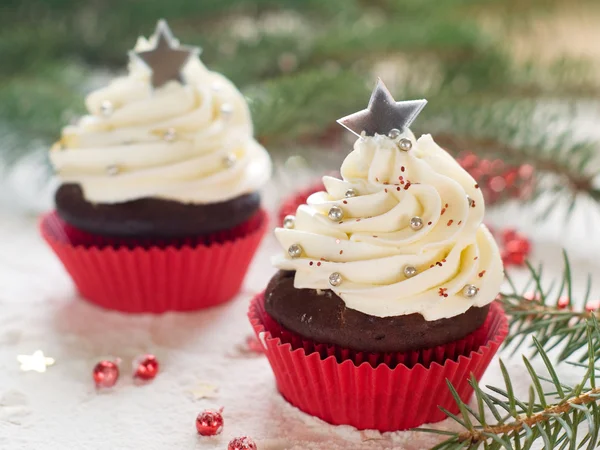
[345,202]
[310,263]
[444,260]
[385,191]
[428,223]
[438,264]
[431,266]
[319,264]
[476,186]
[402,168]
[442,292]
[375,237]
[443,211]
[341,251]
[358,220]
[446,205]
[476,258]
[398,188]
[481,274]
[450,222]
[407,185]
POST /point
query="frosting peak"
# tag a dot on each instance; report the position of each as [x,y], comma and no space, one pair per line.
[409,238]
[190,142]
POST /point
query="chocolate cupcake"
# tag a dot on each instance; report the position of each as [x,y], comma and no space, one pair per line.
[386,282]
[392,257]
[165,152]
[159,186]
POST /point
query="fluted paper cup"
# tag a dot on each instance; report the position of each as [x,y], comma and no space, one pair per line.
[149,276]
[385,392]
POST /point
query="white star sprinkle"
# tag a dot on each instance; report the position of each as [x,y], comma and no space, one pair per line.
[36,362]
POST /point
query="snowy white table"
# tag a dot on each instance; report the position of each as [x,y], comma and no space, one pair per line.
[199,353]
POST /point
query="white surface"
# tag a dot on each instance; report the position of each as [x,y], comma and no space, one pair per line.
[61,409]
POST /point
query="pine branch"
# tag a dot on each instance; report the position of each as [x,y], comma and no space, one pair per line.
[569,177]
[527,422]
[552,315]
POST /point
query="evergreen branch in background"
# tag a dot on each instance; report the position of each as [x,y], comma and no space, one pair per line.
[503,421]
[303,64]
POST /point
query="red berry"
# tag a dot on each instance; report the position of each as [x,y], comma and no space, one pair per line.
[563,302]
[508,235]
[592,306]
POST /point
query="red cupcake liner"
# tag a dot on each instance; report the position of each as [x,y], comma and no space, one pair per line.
[142,276]
[290,205]
[376,391]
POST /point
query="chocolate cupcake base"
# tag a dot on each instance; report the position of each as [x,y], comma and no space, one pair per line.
[322,316]
[152,217]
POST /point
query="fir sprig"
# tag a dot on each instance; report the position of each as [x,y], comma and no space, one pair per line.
[518,424]
[551,314]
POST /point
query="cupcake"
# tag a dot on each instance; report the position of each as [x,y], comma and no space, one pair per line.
[159,185]
[386,282]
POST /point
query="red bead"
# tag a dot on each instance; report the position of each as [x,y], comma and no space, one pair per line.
[242,443]
[563,302]
[209,423]
[145,367]
[592,306]
[106,374]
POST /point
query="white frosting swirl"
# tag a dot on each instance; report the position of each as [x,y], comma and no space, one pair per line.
[124,155]
[374,242]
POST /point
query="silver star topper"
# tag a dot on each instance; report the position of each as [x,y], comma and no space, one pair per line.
[383,113]
[167,58]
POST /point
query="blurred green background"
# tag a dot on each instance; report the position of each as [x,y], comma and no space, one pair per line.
[485,66]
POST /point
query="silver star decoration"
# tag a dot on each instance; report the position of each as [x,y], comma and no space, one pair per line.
[167,58]
[383,113]
[36,362]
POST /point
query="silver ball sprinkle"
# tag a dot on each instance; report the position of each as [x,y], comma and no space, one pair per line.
[470,290]
[335,279]
[410,271]
[289,222]
[106,108]
[170,135]
[416,223]
[226,109]
[405,144]
[112,170]
[229,160]
[295,251]
[350,193]
[394,133]
[335,214]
